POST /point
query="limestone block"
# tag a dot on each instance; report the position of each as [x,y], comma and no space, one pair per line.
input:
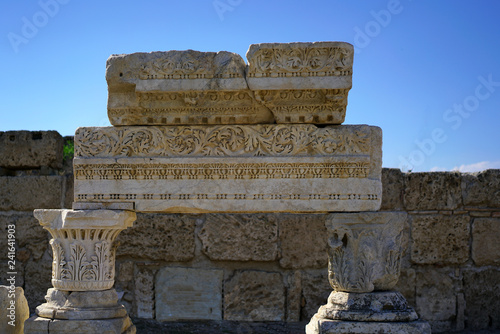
[181,87]
[392,189]
[433,191]
[14,309]
[482,189]
[161,237]
[302,82]
[27,149]
[481,289]
[435,298]
[486,241]
[188,294]
[440,239]
[365,250]
[254,296]
[38,325]
[260,168]
[303,241]
[83,246]
[407,285]
[315,292]
[37,279]
[144,293]
[29,235]
[234,237]
[26,193]
[293,296]
[324,326]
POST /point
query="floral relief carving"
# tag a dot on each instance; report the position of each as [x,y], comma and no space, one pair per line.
[199,141]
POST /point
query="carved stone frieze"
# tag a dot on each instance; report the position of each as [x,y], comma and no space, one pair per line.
[302,82]
[253,168]
[181,87]
[82,245]
[365,250]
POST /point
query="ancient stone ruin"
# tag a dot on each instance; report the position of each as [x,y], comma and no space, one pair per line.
[202,132]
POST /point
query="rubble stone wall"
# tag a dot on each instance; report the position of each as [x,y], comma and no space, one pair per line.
[264,267]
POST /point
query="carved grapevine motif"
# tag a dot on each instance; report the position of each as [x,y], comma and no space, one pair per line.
[219,141]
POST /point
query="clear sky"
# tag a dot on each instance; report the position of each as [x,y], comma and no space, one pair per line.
[426,72]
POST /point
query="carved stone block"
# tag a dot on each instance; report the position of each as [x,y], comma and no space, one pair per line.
[252,168]
[302,82]
[83,246]
[181,87]
[365,250]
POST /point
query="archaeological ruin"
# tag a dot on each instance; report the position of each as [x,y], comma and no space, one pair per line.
[232,191]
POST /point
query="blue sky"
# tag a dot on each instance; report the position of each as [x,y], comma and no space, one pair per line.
[426,72]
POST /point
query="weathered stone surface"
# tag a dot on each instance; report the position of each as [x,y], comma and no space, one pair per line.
[433,191]
[293,296]
[481,289]
[254,296]
[486,241]
[435,298]
[392,189]
[302,82]
[440,239]
[31,149]
[315,292]
[37,279]
[365,249]
[322,326]
[144,293]
[373,306]
[407,285]
[261,168]
[38,325]
[26,193]
[29,235]
[303,241]
[14,309]
[82,246]
[188,293]
[181,87]
[237,237]
[81,305]
[482,189]
[69,191]
[164,237]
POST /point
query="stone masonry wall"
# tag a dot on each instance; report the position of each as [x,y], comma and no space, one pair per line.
[264,267]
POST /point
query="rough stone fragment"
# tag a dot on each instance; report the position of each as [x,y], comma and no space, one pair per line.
[27,193]
[144,293]
[303,241]
[392,189]
[440,239]
[165,237]
[240,237]
[254,296]
[481,189]
[433,191]
[302,82]
[181,87]
[252,168]
[364,250]
[14,309]
[481,289]
[486,241]
[435,298]
[315,292]
[31,149]
[188,294]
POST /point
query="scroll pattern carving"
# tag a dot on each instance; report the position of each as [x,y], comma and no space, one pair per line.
[296,61]
[236,141]
[220,171]
[365,257]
